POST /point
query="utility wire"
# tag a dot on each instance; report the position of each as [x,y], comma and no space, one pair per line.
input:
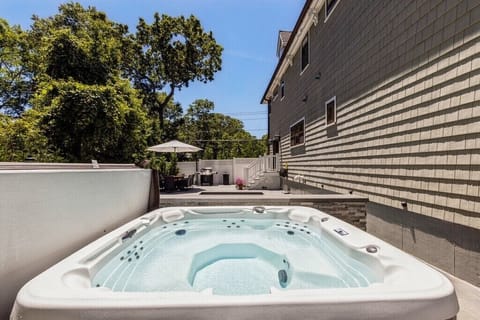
[249,119]
[245,113]
[227,140]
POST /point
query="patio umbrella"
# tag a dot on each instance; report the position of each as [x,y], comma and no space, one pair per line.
[174,146]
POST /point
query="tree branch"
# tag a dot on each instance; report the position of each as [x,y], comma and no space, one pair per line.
[164,103]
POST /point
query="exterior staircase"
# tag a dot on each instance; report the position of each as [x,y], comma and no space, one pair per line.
[263,173]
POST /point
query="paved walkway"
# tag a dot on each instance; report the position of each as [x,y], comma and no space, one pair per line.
[468,298]
[468,294]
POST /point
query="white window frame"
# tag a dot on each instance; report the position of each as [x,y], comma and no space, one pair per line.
[275,94]
[304,137]
[306,39]
[282,90]
[334,99]
[329,13]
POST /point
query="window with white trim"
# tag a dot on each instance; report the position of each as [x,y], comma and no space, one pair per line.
[282,89]
[297,133]
[329,6]
[305,52]
[331,111]
[275,93]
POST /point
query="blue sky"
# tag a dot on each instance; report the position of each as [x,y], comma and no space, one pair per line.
[247,30]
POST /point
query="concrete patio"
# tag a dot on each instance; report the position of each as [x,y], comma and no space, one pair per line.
[468,295]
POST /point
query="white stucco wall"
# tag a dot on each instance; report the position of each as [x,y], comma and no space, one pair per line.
[232,167]
[47,214]
[187,167]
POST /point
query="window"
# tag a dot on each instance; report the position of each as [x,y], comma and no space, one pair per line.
[331,111]
[282,89]
[275,94]
[276,146]
[297,133]
[329,6]
[305,53]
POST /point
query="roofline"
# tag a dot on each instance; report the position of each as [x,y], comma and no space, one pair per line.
[291,40]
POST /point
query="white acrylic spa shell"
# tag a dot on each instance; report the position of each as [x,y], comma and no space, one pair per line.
[408,289]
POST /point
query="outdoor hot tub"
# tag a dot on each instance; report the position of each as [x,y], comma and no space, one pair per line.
[238,263]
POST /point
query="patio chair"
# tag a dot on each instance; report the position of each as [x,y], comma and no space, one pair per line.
[170,184]
[190,180]
[182,183]
[161,181]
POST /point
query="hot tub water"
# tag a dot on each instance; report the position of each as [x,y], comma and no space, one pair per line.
[232,256]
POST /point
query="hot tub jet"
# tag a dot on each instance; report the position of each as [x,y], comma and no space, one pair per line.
[282,278]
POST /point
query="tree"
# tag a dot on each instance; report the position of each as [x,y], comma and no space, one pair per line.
[22,138]
[66,72]
[197,124]
[85,122]
[15,79]
[87,111]
[173,121]
[168,55]
[220,136]
[77,43]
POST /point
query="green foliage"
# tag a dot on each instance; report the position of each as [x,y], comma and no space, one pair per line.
[164,167]
[86,111]
[172,168]
[173,119]
[21,138]
[66,59]
[168,55]
[77,43]
[159,164]
[220,136]
[87,122]
[15,80]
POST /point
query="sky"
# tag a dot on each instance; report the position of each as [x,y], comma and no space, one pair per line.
[247,30]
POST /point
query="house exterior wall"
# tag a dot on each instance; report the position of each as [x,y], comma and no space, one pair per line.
[406,77]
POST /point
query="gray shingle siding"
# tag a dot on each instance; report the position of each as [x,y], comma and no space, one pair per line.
[406,76]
